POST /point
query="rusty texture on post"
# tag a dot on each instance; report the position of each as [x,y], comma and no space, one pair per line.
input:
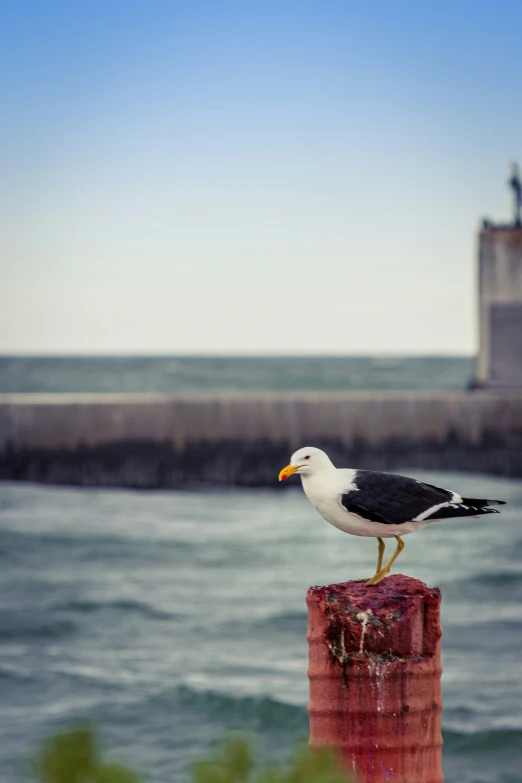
[375,678]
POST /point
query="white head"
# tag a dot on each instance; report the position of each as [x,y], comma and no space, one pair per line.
[306,462]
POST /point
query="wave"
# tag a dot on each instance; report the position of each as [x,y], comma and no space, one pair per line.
[56,630]
[65,626]
[498,579]
[62,627]
[482,742]
[253,713]
[9,673]
[86,607]
[502,588]
[287,621]
[109,546]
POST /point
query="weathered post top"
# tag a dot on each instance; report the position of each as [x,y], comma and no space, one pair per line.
[375,678]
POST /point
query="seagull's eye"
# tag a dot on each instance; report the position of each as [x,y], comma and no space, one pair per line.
[307,456]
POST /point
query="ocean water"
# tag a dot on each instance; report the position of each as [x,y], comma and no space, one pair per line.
[171,618]
[181,374]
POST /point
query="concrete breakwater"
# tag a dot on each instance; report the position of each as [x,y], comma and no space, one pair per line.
[154,440]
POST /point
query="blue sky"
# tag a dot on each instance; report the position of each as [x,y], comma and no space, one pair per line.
[231,177]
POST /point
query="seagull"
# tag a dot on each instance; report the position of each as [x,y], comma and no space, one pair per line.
[379,505]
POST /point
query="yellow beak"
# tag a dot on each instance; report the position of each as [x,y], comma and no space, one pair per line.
[287,472]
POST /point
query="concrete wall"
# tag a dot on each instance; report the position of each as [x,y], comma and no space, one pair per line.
[500,307]
[174,441]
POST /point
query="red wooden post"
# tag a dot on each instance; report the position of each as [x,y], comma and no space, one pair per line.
[375,678]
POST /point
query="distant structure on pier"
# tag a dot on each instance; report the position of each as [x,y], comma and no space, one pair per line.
[499,363]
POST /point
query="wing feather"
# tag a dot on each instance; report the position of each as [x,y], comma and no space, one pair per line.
[395,500]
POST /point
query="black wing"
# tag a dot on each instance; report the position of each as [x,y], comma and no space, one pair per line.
[394,500]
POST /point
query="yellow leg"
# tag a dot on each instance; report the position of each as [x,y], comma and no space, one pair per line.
[382,573]
[379,559]
[381,555]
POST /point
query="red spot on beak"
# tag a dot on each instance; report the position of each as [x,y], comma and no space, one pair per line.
[284,478]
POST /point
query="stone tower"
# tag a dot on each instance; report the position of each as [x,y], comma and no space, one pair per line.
[499,362]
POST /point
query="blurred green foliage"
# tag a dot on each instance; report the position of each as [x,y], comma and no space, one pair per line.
[74,757]
[233,762]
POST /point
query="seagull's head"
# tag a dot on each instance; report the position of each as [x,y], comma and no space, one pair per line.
[306,462]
